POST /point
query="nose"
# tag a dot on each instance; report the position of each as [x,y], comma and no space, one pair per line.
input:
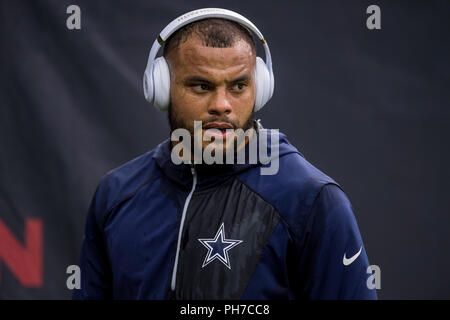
[220,103]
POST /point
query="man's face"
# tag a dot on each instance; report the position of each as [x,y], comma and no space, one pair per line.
[212,85]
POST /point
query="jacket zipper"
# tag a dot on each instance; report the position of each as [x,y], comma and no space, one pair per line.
[180,232]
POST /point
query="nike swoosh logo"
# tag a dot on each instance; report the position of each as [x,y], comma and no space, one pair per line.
[347,262]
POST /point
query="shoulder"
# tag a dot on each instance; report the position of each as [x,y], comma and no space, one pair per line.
[124,181]
[332,213]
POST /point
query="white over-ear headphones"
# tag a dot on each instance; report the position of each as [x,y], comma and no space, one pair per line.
[157,75]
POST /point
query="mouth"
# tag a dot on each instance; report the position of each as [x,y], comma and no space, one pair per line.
[218,125]
[221,126]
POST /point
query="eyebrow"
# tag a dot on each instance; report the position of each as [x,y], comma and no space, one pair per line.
[204,80]
[197,79]
[241,79]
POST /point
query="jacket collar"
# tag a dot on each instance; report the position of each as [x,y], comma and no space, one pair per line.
[210,175]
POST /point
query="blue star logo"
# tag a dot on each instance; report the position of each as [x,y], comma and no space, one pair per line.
[218,247]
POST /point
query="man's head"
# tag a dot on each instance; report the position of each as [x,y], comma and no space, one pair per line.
[212,64]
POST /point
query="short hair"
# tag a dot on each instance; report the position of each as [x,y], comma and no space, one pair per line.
[213,32]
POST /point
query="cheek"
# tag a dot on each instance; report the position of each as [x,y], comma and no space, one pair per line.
[179,97]
[187,106]
[177,94]
[244,104]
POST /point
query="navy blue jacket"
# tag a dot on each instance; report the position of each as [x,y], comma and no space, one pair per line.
[156,230]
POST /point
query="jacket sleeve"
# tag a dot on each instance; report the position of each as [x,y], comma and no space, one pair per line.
[332,259]
[96,279]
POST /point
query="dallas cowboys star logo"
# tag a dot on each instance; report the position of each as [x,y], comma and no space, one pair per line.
[218,247]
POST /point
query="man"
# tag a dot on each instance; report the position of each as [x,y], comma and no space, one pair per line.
[161,229]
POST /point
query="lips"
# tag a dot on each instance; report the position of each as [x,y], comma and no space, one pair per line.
[222,126]
[218,125]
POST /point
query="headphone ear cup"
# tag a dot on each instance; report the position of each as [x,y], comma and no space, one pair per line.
[148,84]
[262,87]
[161,84]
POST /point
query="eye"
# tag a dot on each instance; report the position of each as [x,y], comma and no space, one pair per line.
[202,87]
[239,86]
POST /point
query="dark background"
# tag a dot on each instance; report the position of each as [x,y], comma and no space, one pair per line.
[368,107]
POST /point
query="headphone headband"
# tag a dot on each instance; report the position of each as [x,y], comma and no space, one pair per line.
[207,13]
[201,14]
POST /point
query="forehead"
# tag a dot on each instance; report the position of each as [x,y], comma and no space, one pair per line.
[193,57]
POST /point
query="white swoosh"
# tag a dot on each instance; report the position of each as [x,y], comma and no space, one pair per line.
[347,262]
